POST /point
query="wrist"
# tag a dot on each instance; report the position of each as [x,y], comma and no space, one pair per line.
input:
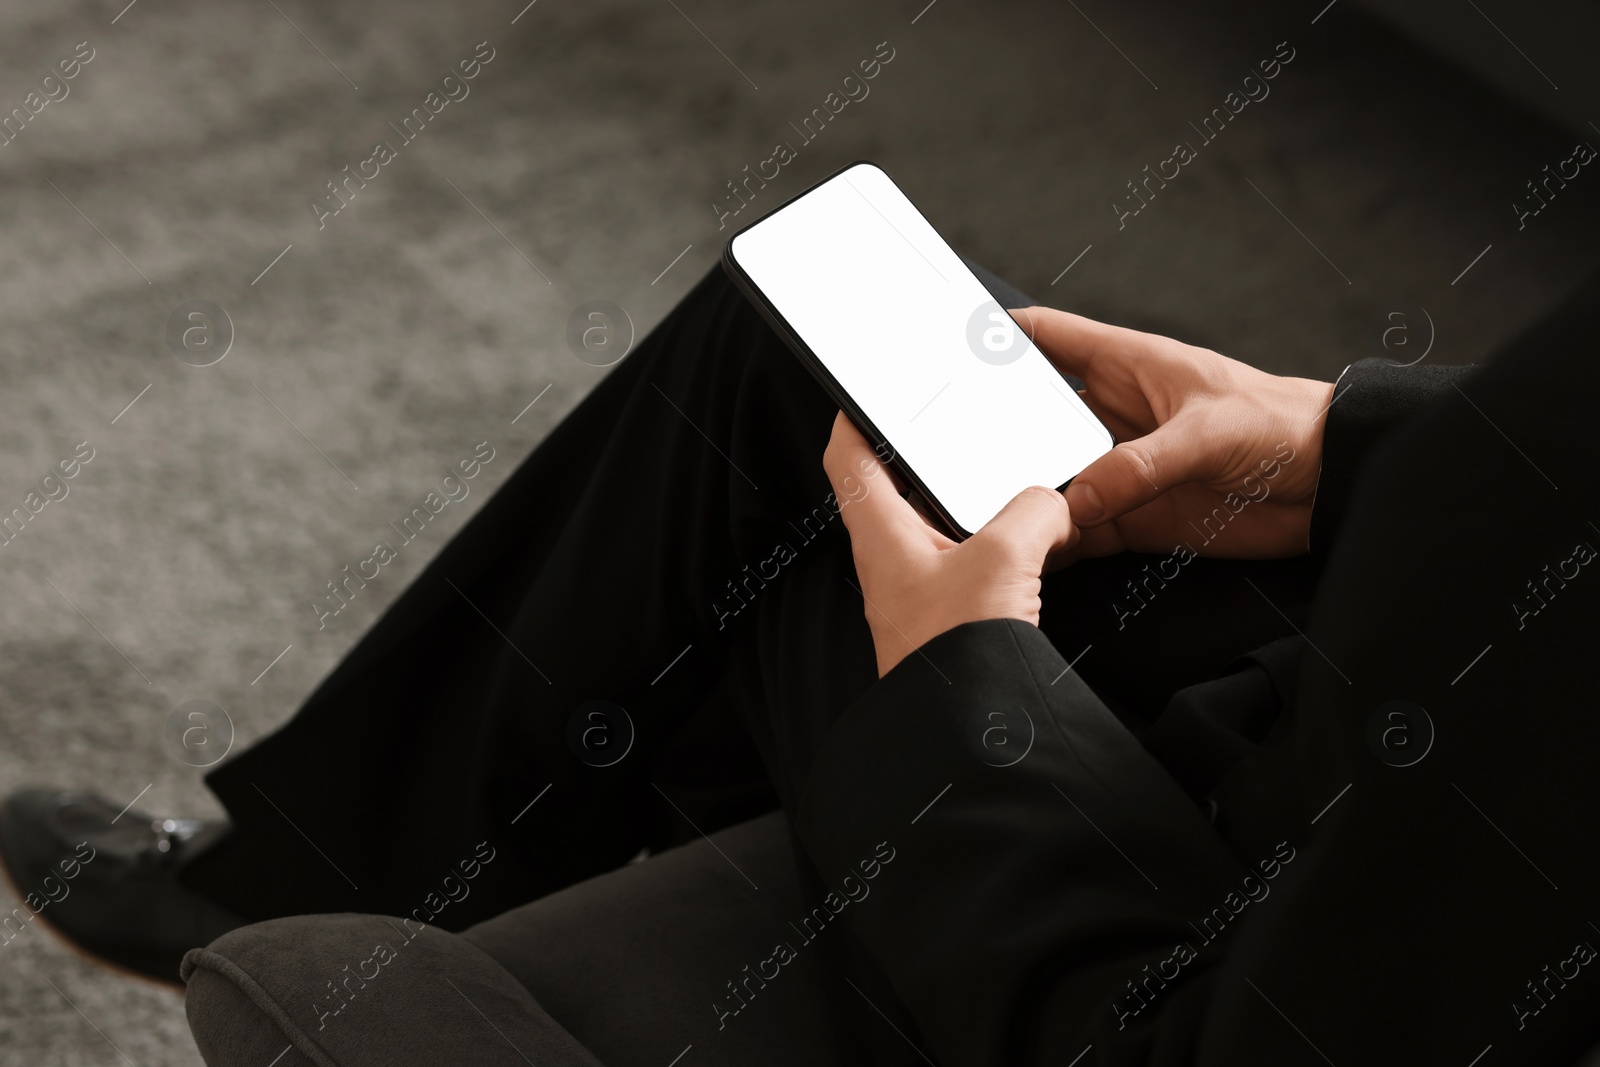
[1303,430]
[891,646]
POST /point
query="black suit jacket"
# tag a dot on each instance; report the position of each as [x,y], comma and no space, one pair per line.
[1288,867]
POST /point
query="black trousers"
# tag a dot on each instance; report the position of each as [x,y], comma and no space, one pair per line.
[628,564]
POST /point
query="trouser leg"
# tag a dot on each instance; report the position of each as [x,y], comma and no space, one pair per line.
[590,575]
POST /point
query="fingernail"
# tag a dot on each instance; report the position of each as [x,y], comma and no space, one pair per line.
[1084,503]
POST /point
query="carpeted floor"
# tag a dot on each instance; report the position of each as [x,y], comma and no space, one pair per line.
[375,347]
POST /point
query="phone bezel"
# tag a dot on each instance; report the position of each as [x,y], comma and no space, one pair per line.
[825,378]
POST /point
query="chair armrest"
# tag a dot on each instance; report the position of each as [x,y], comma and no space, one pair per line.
[357,990]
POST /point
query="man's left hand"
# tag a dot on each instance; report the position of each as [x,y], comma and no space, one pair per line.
[917,583]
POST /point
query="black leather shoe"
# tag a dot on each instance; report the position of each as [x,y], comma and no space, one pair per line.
[107,880]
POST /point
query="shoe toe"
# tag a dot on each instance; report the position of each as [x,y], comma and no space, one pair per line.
[42,828]
[106,877]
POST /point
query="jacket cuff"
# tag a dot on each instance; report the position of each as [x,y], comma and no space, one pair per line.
[1369,398]
[1013,835]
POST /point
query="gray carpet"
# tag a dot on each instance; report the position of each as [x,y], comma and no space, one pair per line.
[430,311]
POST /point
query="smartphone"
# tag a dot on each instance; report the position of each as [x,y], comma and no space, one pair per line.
[913,347]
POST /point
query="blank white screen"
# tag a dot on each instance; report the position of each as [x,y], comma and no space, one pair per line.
[885,305]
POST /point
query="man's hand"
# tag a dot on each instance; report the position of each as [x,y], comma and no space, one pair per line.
[917,583]
[1199,432]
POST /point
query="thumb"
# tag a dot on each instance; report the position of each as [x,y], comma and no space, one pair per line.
[1136,472]
[1034,523]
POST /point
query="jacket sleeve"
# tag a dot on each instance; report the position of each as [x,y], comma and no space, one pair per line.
[1369,398]
[1046,871]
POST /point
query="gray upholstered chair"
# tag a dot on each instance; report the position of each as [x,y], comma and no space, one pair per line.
[618,970]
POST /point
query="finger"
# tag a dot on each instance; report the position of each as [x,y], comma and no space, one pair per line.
[1065,555]
[1087,543]
[865,494]
[1125,424]
[1096,541]
[1076,344]
[1136,472]
[1036,522]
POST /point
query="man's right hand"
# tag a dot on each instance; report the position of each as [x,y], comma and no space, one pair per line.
[1198,432]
